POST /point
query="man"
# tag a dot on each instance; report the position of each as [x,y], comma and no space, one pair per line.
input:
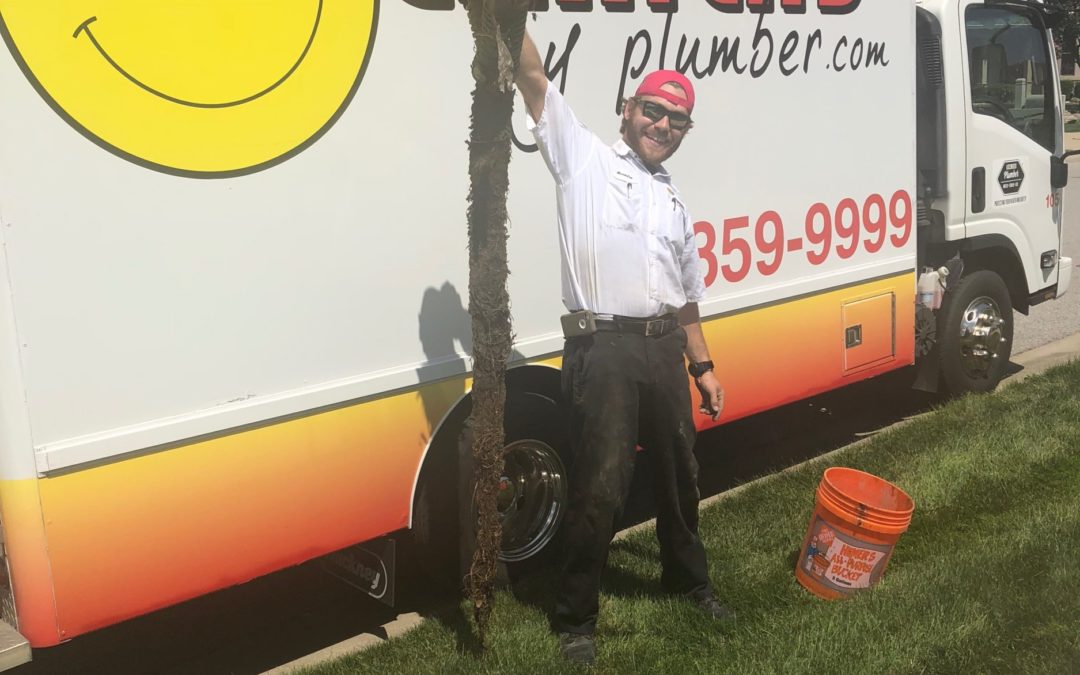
[629,259]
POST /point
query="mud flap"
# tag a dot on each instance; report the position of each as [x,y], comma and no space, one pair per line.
[369,567]
[927,351]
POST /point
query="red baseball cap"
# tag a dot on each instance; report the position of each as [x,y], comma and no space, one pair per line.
[654,81]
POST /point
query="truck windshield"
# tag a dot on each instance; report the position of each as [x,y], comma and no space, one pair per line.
[1011,77]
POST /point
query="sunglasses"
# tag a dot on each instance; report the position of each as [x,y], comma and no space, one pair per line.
[656,112]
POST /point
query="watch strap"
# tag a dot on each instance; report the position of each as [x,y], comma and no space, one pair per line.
[699,368]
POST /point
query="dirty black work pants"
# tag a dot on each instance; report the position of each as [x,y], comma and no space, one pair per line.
[623,390]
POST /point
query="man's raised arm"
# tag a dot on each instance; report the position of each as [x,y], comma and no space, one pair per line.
[531,79]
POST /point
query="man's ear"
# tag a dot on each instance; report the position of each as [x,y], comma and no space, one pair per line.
[626,104]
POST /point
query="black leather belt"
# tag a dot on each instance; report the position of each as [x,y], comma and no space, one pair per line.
[649,327]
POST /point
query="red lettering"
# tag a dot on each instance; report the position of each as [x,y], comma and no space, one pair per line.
[838,6]
[731,244]
[705,251]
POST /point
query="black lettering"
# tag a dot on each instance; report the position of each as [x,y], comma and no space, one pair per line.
[726,53]
[761,33]
[664,41]
[814,37]
[856,54]
[875,54]
[836,52]
[618,5]
[793,6]
[558,69]
[683,65]
[723,53]
[791,43]
[760,6]
[635,72]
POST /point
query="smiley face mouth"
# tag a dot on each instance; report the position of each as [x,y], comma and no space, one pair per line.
[84,27]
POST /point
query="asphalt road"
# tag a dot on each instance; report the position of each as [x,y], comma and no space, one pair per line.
[285,616]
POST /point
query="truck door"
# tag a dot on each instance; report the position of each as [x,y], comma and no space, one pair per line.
[1012,131]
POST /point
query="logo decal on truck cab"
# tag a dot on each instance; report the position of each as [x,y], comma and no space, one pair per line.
[1008,189]
[1011,177]
[199,89]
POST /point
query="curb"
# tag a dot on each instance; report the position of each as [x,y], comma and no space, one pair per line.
[357,643]
[1031,362]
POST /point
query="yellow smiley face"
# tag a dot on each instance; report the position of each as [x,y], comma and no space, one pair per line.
[202,88]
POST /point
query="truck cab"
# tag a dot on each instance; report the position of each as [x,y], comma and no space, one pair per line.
[989,138]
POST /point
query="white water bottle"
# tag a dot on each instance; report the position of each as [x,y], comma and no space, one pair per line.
[927,287]
[939,286]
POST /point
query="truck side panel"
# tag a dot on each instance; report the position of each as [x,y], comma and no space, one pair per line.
[228,375]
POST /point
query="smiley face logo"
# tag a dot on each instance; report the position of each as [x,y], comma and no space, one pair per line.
[200,88]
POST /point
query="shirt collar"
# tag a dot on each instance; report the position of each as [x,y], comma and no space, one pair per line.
[623,150]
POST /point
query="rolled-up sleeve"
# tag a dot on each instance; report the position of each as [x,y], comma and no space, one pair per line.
[564,142]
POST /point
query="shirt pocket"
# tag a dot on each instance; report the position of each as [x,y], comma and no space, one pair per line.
[673,225]
[623,202]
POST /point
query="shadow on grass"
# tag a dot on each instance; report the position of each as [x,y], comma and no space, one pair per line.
[454,619]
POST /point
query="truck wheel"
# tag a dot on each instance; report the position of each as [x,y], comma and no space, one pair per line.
[533,487]
[976,329]
[532,495]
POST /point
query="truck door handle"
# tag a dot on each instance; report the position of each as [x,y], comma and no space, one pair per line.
[978,190]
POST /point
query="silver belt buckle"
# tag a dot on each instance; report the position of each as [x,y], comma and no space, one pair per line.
[654,327]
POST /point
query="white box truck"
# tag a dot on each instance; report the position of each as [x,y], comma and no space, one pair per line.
[232,334]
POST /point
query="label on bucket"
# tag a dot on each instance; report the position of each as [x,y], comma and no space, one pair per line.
[840,562]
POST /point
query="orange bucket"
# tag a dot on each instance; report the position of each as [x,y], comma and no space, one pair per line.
[857,520]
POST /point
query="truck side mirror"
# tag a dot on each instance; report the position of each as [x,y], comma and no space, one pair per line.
[1059,170]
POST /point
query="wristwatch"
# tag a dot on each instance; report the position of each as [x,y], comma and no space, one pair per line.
[699,368]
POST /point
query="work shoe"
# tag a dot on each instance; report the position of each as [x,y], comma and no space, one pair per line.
[708,604]
[577,648]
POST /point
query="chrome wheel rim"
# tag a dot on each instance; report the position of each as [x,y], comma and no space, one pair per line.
[531,498]
[982,338]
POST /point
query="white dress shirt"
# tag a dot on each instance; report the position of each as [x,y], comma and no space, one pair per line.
[626,237]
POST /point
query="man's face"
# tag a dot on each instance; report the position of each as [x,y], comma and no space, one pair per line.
[653,140]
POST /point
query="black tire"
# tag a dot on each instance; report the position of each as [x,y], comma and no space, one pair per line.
[975,330]
[535,439]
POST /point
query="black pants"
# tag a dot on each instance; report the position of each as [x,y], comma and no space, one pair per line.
[624,389]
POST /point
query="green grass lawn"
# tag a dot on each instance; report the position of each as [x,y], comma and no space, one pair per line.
[987,579]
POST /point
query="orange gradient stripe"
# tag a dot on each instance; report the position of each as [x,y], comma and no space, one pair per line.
[136,535]
[785,352]
[28,560]
[132,536]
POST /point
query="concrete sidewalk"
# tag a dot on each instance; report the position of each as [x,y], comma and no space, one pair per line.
[1030,363]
